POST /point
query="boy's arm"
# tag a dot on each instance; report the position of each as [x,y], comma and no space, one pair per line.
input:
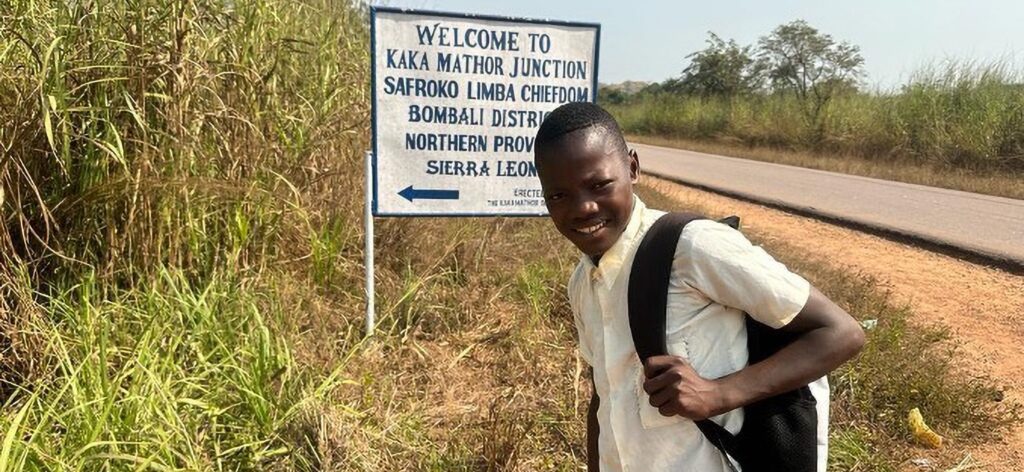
[726,267]
[593,429]
[828,337]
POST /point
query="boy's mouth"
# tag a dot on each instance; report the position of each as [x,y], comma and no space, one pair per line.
[590,230]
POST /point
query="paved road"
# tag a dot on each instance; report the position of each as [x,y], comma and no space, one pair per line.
[985,227]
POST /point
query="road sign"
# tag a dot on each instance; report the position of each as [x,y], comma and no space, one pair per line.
[457,100]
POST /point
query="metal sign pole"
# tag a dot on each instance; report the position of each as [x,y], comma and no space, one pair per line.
[368,249]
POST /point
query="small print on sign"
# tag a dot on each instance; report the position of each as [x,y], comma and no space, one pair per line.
[457,102]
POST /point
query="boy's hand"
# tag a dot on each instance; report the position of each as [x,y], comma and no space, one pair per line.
[676,389]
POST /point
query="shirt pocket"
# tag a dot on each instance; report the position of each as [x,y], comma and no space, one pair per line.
[650,417]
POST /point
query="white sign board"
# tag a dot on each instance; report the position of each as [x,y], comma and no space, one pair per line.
[457,101]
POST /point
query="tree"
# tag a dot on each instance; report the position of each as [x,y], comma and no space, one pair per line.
[724,68]
[612,96]
[811,64]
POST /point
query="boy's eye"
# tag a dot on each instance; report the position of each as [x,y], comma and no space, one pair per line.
[602,184]
[553,197]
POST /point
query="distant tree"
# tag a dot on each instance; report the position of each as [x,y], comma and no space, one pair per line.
[620,93]
[669,85]
[658,87]
[724,68]
[810,64]
[612,96]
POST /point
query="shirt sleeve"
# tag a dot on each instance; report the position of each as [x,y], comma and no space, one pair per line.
[576,304]
[721,263]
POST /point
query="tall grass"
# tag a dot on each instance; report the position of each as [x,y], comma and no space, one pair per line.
[958,116]
[140,134]
[170,173]
[181,280]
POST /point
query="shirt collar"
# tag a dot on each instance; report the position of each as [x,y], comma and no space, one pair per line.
[611,262]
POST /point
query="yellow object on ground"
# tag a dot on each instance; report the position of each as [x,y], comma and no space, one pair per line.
[922,433]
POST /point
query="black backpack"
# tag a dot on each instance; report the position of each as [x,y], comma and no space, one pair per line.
[779,433]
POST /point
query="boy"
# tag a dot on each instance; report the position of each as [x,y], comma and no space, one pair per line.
[641,416]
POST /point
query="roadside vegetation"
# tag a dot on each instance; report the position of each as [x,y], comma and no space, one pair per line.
[181,271]
[178,185]
[796,98]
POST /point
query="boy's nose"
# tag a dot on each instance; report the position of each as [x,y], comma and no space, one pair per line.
[586,206]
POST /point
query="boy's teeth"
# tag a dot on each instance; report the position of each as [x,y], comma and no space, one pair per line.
[591,229]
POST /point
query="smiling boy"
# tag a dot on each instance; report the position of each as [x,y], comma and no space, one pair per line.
[641,416]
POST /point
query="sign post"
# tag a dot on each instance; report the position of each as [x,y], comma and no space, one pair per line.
[368,246]
[457,100]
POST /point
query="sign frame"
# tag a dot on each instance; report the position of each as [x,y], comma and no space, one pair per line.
[373,94]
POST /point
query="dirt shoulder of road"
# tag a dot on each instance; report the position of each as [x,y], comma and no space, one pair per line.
[983,307]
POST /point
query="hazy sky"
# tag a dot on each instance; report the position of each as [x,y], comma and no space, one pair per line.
[648,40]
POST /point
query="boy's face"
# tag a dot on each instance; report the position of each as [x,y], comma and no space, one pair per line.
[588,188]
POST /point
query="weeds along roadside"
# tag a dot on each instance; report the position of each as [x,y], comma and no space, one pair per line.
[182,266]
[172,175]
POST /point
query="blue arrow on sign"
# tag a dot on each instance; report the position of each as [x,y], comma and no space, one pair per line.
[410,193]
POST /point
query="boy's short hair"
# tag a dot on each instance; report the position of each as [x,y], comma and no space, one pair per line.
[576,116]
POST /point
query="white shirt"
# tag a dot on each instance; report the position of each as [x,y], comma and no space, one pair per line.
[717,274]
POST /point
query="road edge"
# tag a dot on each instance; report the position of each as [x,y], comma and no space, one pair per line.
[973,255]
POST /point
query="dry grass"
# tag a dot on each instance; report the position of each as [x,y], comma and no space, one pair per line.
[477,366]
[170,176]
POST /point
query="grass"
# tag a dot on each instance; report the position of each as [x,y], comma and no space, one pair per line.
[170,173]
[483,377]
[958,126]
[164,377]
[181,275]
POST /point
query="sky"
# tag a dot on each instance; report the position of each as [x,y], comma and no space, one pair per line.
[649,40]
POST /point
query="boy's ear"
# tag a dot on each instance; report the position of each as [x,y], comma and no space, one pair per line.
[634,166]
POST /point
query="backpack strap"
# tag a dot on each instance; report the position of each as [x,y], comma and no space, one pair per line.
[648,298]
[648,283]
[649,278]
